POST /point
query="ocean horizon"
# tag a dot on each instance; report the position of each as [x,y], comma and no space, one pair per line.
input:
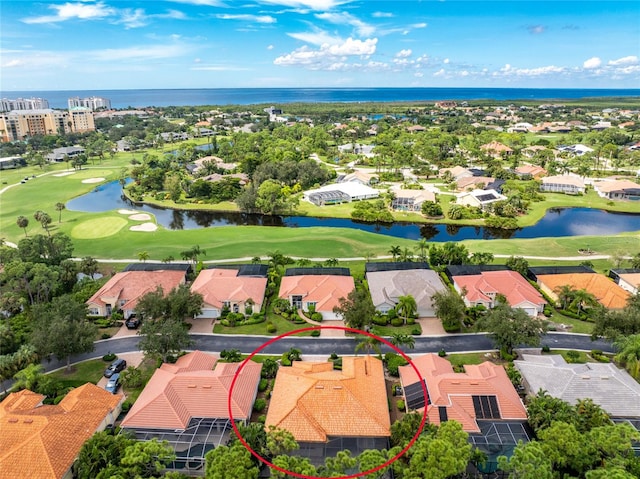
[140,98]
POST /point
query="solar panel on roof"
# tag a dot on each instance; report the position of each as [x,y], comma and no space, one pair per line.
[414,396]
[487,197]
[486,407]
[442,412]
[317,271]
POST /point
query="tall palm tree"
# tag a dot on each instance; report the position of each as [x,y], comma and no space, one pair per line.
[406,255]
[406,307]
[565,295]
[368,344]
[399,339]
[23,222]
[629,353]
[331,262]
[395,251]
[59,208]
[582,298]
[303,262]
[422,247]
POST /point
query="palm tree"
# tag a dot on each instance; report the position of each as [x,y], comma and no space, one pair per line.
[406,307]
[303,262]
[59,208]
[422,246]
[629,354]
[89,266]
[368,343]
[565,295]
[45,221]
[368,256]
[255,260]
[399,339]
[331,262]
[582,298]
[23,222]
[406,255]
[294,354]
[143,256]
[395,252]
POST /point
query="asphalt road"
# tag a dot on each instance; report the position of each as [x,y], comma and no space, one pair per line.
[325,346]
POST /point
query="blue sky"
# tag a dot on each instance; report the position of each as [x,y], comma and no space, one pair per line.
[111,44]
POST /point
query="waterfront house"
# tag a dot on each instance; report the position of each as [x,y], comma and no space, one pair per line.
[388,281]
[482,289]
[340,193]
[567,184]
[186,404]
[618,189]
[479,198]
[317,288]
[330,410]
[411,200]
[43,441]
[239,290]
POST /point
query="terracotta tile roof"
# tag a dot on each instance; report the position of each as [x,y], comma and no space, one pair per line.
[608,293]
[464,183]
[455,390]
[532,170]
[496,146]
[563,180]
[191,388]
[325,290]
[615,185]
[314,402]
[132,285]
[43,441]
[219,285]
[511,284]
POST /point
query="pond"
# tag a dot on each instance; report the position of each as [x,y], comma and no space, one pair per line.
[556,222]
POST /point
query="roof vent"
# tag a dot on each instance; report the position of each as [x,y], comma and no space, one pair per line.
[191,386]
[319,386]
[586,377]
[337,387]
[207,386]
[605,377]
[13,419]
[28,421]
[474,383]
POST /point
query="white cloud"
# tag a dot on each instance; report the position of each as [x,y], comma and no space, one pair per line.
[13,64]
[439,73]
[404,53]
[418,74]
[344,18]
[310,4]
[269,47]
[328,54]
[318,37]
[593,62]
[382,15]
[247,18]
[419,25]
[204,3]
[68,11]
[536,29]
[445,61]
[630,60]
[509,71]
[152,52]
[133,18]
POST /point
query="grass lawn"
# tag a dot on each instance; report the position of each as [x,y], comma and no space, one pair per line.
[581,358]
[466,358]
[391,330]
[148,367]
[82,373]
[281,324]
[577,325]
[99,227]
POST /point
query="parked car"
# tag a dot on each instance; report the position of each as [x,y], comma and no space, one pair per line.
[115,367]
[132,323]
[113,384]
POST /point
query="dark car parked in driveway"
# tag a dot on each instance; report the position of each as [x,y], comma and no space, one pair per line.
[132,323]
[115,367]
[113,384]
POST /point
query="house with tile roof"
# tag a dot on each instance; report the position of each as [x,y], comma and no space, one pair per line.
[457,172]
[607,385]
[123,290]
[222,288]
[608,293]
[474,182]
[567,184]
[479,198]
[321,292]
[618,189]
[411,200]
[627,279]
[358,176]
[186,404]
[386,287]
[530,171]
[482,289]
[43,441]
[497,149]
[329,410]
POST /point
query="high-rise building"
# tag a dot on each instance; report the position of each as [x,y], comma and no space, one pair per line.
[81,119]
[20,124]
[33,103]
[93,102]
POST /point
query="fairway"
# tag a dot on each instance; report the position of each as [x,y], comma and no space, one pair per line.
[99,227]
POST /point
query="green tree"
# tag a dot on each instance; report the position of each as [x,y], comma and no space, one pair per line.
[481,258]
[510,327]
[23,222]
[406,307]
[146,458]
[395,252]
[231,355]
[368,344]
[230,462]
[356,309]
[101,450]
[298,465]
[143,256]
[566,447]
[519,264]
[399,339]
[59,208]
[628,355]
[178,304]
[565,295]
[582,298]
[449,308]
[89,266]
[529,461]
[543,409]
[61,328]
[163,337]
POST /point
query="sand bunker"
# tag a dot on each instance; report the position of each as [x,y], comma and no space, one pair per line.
[127,212]
[144,227]
[66,173]
[140,217]
[93,180]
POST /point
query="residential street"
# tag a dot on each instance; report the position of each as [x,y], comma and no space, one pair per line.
[319,346]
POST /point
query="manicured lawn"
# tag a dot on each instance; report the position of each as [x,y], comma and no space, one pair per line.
[391,330]
[466,358]
[82,373]
[577,326]
[281,324]
[148,367]
[99,227]
[582,356]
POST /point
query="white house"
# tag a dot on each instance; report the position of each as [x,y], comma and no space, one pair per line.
[340,193]
[479,198]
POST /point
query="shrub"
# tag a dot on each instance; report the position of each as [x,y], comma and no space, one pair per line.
[573,356]
[505,355]
[263,385]
[315,333]
[397,322]
[126,406]
[442,353]
[262,418]
[259,405]
[416,331]
[546,349]
[109,357]
[316,317]
[548,310]
[392,314]
[411,321]
[380,320]
[285,361]
[105,336]
[394,361]
[271,328]
[400,405]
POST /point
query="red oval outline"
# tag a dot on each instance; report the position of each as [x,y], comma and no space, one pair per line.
[318,328]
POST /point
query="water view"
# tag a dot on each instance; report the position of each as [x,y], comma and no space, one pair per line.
[557,222]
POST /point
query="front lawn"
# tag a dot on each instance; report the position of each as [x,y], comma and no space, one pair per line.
[391,330]
[577,325]
[458,360]
[81,373]
[282,326]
